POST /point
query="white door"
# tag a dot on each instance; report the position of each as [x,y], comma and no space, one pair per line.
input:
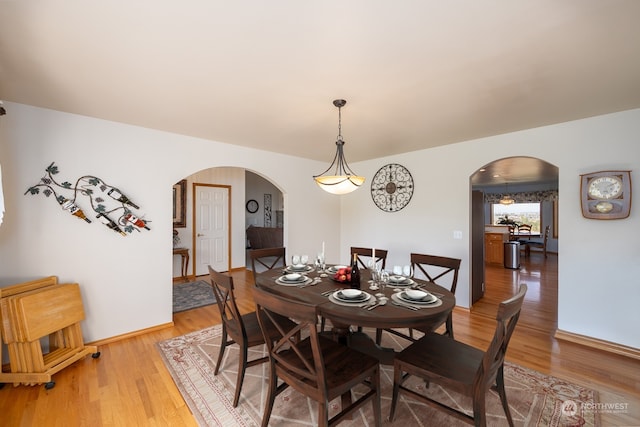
[211,232]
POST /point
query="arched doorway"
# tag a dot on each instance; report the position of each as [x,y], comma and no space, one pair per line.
[530,181]
[245,185]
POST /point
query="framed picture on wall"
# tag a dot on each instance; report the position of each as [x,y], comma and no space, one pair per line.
[179,204]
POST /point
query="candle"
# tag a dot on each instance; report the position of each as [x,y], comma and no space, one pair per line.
[323,248]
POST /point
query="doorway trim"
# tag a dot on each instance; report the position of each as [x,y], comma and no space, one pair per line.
[194,222]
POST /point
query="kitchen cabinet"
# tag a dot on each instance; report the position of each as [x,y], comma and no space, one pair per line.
[494,247]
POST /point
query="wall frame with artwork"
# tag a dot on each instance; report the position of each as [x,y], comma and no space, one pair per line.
[180,204]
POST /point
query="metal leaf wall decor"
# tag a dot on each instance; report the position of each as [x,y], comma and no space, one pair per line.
[112,207]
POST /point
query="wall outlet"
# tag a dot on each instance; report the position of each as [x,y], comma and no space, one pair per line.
[457,234]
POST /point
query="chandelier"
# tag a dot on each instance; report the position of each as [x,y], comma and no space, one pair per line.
[343,180]
[506,199]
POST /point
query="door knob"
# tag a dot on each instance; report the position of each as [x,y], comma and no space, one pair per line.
[200,235]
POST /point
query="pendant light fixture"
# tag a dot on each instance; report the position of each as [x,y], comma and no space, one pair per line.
[343,180]
[506,199]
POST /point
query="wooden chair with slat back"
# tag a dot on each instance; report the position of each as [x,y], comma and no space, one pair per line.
[436,269]
[365,256]
[243,330]
[459,367]
[267,258]
[315,366]
[524,234]
[542,245]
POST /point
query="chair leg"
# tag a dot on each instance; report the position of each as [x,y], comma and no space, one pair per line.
[378,336]
[479,408]
[323,414]
[271,396]
[223,346]
[503,395]
[397,380]
[242,366]
[377,415]
[449,327]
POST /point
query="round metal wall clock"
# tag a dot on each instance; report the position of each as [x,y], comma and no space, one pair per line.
[252,206]
[392,187]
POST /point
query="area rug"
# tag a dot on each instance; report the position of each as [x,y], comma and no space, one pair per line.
[192,295]
[535,399]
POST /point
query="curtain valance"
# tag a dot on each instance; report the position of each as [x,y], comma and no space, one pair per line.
[524,197]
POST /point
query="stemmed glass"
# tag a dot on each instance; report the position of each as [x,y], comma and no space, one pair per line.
[383,281]
[295,259]
[304,259]
[320,262]
[407,271]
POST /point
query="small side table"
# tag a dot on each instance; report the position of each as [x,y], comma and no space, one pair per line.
[184,258]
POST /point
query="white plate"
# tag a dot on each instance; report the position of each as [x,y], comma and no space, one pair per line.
[402,281]
[403,296]
[288,278]
[396,297]
[340,297]
[296,269]
[304,280]
[335,268]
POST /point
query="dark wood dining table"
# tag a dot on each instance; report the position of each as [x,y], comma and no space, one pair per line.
[344,317]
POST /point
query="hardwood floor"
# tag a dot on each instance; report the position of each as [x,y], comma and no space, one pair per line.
[129,385]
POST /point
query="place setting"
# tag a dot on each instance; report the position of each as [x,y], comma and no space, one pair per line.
[415,299]
[299,264]
[352,298]
[294,279]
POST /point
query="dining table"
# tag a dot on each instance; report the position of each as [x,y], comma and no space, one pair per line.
[321,289]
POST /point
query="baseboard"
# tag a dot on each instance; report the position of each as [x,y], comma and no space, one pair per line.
[132,334]
[607,346]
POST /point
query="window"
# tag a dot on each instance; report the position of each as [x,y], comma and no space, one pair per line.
[518,213]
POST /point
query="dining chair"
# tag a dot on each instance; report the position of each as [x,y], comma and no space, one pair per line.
[536,244]
[365,256]
[243,330]
[459,367]
[315,366]
[436,269]
[267,258]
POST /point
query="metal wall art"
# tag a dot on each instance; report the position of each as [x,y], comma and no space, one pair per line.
[112,207]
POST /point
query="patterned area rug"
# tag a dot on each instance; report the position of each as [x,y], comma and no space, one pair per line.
[192,295]
[535,399]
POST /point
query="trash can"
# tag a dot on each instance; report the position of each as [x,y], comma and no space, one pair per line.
[512,255]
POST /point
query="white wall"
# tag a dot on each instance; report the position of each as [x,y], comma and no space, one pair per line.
[126,282]
[599,261]
[256,187]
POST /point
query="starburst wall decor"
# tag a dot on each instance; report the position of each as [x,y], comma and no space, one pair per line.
[112,207]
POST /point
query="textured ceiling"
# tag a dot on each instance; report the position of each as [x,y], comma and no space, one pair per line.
[416,74]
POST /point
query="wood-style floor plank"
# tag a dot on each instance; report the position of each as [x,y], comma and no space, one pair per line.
[129,385]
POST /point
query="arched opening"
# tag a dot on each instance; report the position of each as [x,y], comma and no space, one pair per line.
[235,187]
[501,259]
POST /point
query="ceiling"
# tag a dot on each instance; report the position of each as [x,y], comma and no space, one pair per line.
[515,170]
[416,74]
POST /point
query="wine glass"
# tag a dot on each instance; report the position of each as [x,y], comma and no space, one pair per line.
[295,259]
[383,282]
[375,278]
[407,271]
[320,262]
[304,259]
